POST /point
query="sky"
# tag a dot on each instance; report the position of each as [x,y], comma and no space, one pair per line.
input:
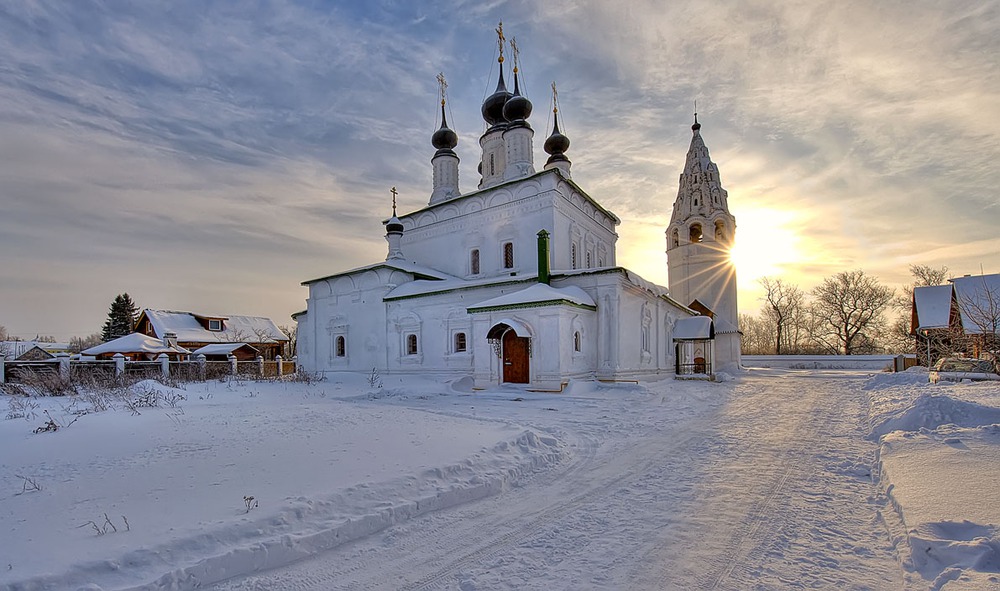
[210,156]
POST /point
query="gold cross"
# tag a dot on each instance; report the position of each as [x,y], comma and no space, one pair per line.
[443,84]
[500,40]
[394,192]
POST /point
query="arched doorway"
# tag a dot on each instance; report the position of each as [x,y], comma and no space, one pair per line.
[514,355]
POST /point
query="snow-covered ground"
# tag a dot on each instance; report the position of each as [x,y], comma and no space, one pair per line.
[777,479]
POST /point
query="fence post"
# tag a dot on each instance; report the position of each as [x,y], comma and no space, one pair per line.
[119,364]
[277,359]
[260,366]
[232,363]
[63,365]
[200,360]
[164,364]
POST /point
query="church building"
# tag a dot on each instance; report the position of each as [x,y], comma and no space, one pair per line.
[517,281]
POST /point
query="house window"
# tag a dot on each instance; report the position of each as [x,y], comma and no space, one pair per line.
[340,348]
[215,325]
[508,255]
[459,342]
[474,262]
[572,256]
[576,341]
[411,344]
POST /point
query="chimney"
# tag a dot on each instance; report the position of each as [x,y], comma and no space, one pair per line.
[170,339]
[543,257]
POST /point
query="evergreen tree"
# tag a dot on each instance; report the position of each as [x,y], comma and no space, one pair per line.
[121,318]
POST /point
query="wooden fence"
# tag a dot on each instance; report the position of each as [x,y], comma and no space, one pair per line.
[199,369]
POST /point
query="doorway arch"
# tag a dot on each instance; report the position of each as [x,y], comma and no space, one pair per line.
[514,350]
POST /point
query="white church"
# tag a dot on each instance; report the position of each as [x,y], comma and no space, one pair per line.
[517,281]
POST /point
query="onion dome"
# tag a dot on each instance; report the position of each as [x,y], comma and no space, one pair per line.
[696,125]
[393,225]
[518,108]
[556,144]
[494,104]
[444,139]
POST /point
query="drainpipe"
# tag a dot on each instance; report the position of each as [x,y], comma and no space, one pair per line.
[543,257]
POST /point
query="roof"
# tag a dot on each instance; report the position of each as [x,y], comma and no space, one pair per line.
[693,328]
[538,294]
[978,302]
[933,306]
[221,348]
[237,328]
[415,269]
[134,343]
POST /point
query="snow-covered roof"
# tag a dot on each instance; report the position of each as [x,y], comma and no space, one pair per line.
[693,328]
[399,264]
[134,343]
[538,294]
[933,305]
[235,328]
[978,302]
[425,287]
[220,348]
[14,349]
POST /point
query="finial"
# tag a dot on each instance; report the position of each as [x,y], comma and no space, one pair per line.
[394,192]
[500,41]
[555,98]
[443,84]
[514,51]
[696,125]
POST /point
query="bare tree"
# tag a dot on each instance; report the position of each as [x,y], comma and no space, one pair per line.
[980,309]
[289,348]
[848,309]
[757,335]
[77,344]
[3,333]
[784,306]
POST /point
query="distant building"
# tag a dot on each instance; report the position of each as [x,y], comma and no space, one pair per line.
[961,318]
[194,331]
[11,350]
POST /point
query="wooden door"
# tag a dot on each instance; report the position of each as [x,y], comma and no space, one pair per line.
[515,358]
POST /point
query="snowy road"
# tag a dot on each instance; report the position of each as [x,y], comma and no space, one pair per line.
[768,488]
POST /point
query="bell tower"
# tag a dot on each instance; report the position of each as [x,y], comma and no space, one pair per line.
[701,233]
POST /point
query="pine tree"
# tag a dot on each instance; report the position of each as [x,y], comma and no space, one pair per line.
[121,318]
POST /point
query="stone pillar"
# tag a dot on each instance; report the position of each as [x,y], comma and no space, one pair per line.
[281,370]
[164,360]
[200,360]
[260,366]
[119,364]
[232,363]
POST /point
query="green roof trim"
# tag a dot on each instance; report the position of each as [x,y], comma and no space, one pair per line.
[522,306]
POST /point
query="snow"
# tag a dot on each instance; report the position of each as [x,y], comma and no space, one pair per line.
[772,479]
[135,343]
[933,305]
[187,328]
[536,294]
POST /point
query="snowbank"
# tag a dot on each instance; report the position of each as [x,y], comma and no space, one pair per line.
[173,489]
[939,462]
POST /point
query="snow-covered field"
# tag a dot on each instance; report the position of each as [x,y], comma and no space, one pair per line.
[777,479]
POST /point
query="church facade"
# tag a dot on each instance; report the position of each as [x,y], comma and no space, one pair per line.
[514,282]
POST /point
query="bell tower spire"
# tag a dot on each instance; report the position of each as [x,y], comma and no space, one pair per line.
[445,160]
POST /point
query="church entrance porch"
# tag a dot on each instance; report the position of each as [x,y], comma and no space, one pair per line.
[515,358]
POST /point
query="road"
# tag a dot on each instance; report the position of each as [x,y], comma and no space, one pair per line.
[765,486]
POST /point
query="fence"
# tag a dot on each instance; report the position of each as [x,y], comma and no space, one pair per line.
[200,369]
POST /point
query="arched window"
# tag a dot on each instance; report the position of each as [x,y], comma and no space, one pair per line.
[508,255]
[577,344]
[572,256]
[695,233]
[459,342]
[675,238]
[492,168]
[720,231]
[411,344]
[588,260]
[474,262]
[341,347]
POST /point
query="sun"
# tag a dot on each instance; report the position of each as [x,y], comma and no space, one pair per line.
[766,244]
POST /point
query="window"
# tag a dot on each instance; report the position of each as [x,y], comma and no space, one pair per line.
[411,344]
[459,342]
[508,255]
[696,233]
[572,256]
[215,325]
[576,341]
[588,260]
[340,348]
[492,168]
[474,262]
[675,238]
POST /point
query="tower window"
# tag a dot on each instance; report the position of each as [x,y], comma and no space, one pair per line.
[474,262]
[508,255]
[492,167]
[696,233]
[460,342]
[588,260]
[572,256]
[411,344]
[577,344]
[675,238]
[341,347]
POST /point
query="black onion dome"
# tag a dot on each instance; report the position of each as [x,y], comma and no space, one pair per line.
[444,138]
[696,125]
[394,226]
[556,143]
[518,108]
[493,105]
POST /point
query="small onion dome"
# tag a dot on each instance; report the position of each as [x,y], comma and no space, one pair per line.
[444,138]
[493,105]
[556,144]
[696,125]
[394,226]
[518,108]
